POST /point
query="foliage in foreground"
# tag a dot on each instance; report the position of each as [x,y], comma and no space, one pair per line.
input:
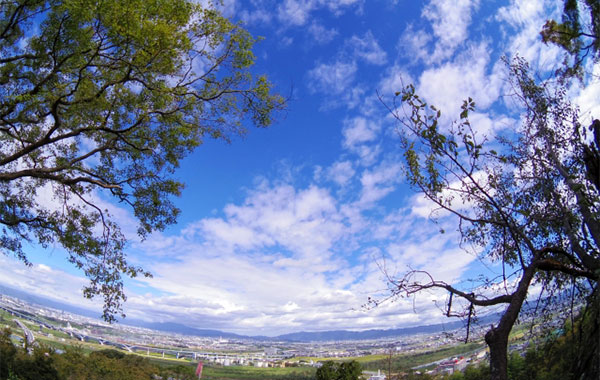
[348,370]
[102,100]
[75,364]
[44,363]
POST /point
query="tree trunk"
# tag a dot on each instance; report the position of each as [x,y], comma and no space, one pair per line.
[497,341]
[497,337]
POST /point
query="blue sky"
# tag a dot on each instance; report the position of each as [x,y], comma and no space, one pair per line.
[288,228]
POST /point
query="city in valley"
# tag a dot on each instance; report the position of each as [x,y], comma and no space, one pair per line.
[32,324]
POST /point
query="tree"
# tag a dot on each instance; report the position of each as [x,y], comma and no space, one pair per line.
[579,39]
[331,370]
[8,353]
[527,199]
[101,100]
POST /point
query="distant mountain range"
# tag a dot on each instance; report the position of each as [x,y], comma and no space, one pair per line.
[320,336]
[306,336]
[178,328]
[339,335]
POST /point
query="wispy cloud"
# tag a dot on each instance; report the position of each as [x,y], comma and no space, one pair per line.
[333,78]
[367,48]
[341,172]
[297,12]
[321,34]
[521,23]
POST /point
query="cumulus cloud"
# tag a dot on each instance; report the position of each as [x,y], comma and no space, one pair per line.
[281,260]
[338,78]
[254,16]
[394,79]
[295,12]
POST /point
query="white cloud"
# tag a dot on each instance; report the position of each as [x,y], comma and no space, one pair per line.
[414,44]
[298,12]
[321,34]
[358,131]
[360,134]
[261,16]
[47,282]
[336,6]
[304,222]
[281,260]
[525,20]
[335,78]
[341,172]
[295,12]
[379,182]
[456,191]
[298,276]
[394,79]
[587,99]
[233,234]
[519,13]
[367,48]
[450,20]
[448,85]
[368,154]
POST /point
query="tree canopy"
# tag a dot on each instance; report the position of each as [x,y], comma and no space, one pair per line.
[74,364]
[577,34]
[102,100]
[527,199]
[348,370]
